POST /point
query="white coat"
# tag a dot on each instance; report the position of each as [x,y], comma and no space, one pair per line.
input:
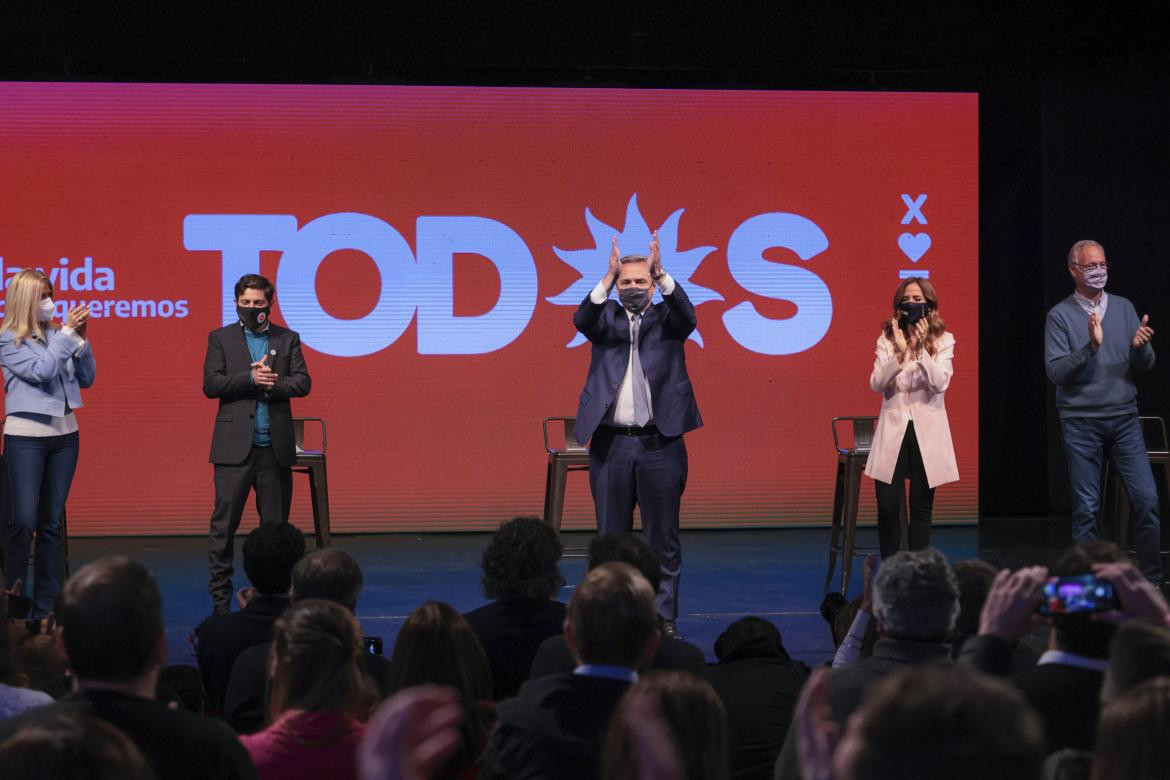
[913,391]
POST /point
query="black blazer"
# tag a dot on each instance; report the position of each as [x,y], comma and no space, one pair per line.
[511,633]
[661,338]
[227,375]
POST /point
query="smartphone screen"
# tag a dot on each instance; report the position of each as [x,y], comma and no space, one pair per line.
[374,645]
[1080,594]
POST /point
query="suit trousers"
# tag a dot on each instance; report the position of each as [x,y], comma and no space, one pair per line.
[649,470]
[273,485]
[1087,441]
[890,496]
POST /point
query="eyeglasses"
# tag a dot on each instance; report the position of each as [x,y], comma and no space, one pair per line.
[1093,267]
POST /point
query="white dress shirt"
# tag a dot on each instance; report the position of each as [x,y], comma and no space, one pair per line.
[623,408]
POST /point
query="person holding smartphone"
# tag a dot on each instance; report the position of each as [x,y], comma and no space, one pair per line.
[912,369]
[45,366]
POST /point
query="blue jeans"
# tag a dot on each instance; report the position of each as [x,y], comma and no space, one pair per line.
[1087,441]
[40,471]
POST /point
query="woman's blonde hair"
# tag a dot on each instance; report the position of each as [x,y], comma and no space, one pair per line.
[22,302]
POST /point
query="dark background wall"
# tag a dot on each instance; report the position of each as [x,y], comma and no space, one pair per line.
[1074,103]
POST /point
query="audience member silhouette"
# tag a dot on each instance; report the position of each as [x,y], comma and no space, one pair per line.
[330,574]
[520,573]
[555,726]
[758,683]
[695,722]
[554,656]
[270,552]
[436,646]
[110,617]
[319,699]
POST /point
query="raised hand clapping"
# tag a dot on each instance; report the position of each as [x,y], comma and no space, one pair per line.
[1144,333]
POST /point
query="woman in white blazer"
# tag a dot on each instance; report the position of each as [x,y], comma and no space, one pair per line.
[912,368]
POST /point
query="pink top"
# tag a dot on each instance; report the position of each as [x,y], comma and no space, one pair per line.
[306,745]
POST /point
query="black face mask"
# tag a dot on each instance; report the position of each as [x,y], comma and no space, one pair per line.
[634,299]
[254,317]
[913,312]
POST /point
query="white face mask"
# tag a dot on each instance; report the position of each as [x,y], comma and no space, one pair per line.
[45,312]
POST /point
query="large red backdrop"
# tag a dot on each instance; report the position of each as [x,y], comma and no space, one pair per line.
[430,244]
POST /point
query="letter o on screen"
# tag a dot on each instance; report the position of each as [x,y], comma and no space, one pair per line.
[296,284]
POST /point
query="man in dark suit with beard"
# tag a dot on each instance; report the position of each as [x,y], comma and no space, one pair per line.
[253,367]
[636,406]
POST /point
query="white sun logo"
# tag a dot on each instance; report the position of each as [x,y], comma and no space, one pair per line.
[635,237]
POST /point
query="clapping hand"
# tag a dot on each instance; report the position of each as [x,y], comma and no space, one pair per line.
[263,376]
[1096,335]
[77,318]
[817,733]
[615,265]
[1144,333]
[411,735]
[918,335]
[655,257]
[899,338]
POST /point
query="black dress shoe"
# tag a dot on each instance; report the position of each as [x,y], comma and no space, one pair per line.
[670,629]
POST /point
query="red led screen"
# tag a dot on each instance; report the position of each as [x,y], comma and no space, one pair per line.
[431,244]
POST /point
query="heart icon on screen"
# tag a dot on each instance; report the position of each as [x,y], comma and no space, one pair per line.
[914,245]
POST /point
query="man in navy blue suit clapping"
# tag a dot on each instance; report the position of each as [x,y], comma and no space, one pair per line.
[636,406]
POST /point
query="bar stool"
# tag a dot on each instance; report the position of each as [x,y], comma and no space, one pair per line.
[312,462]
[850,465]
[1115,505]
[568,455]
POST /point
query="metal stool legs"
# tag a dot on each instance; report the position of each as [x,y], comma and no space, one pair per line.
[846,497]
[568,456]
[319,496]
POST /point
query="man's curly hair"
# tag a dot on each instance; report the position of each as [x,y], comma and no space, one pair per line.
[520,562]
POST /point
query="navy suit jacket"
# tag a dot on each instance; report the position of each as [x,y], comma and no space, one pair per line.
[661,338]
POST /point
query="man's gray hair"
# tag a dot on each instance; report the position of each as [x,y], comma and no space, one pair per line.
[634,259]
[916,596]
[1074,254]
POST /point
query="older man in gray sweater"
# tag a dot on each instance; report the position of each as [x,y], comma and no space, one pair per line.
[1093,342]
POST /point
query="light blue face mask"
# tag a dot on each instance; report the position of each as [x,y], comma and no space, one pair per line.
[1095,277]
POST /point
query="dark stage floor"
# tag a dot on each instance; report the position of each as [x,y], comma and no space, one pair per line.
[775,573]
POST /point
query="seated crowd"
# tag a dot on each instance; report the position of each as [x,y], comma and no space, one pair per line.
[940,670]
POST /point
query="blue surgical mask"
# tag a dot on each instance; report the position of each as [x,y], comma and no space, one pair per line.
[1095,277]
[913,312]
[634,298]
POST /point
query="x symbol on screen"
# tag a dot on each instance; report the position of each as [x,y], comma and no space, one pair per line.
[914,209]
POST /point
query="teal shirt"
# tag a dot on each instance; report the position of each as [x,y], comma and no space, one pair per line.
[258,348]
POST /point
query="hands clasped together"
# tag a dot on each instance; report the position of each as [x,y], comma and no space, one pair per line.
[262,375]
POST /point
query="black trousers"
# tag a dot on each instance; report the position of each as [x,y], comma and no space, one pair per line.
[891,494]
[273,485]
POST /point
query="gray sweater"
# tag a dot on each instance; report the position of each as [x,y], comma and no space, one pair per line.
[1094,383]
